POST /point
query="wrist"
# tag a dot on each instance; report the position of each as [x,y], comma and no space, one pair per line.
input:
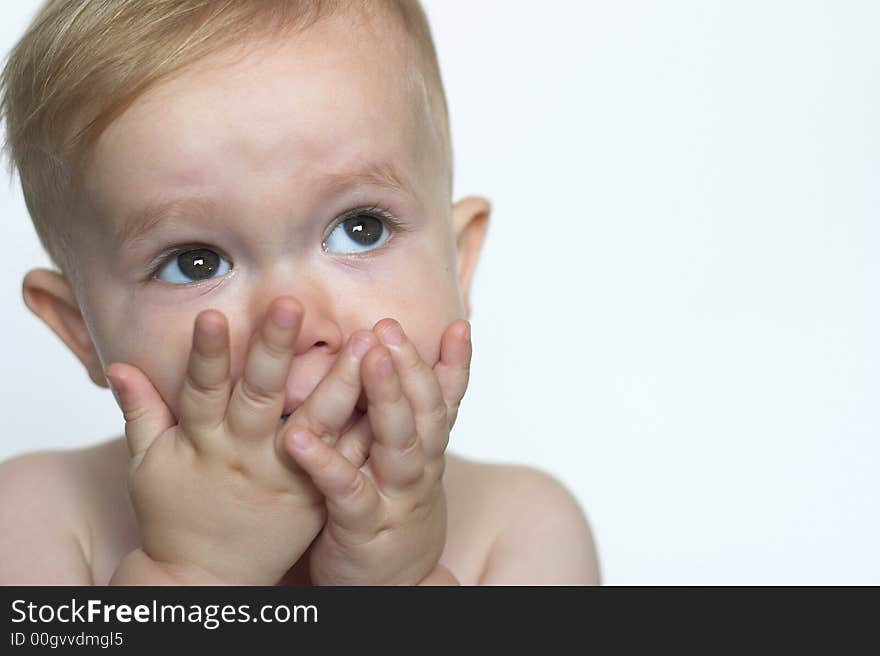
[137,568]
[440,575]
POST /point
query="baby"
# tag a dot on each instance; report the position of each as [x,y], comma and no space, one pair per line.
[249,204]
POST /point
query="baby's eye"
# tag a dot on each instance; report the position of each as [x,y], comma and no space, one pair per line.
[357,234]
[192,266]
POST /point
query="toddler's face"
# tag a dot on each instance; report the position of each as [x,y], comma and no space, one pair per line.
[294,166]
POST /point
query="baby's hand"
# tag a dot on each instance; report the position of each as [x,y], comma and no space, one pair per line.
[216,496]
[386,521]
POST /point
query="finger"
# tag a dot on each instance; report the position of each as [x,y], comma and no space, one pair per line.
[146,414]
[352,500]
[328,408]
[205,391]
[420,386]
[258,397]
[453,368]
[355,443]
[396,455]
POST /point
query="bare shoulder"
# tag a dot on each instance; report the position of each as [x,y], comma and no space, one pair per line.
[539,532]
[45,533]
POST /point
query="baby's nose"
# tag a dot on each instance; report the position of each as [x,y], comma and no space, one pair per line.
[318,325]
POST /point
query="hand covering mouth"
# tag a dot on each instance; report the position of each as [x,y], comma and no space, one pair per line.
[355,416]
[360,410]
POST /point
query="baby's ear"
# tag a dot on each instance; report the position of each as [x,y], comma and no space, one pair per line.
[471,219]
[49,295]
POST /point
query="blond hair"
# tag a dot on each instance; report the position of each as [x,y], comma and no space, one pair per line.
[81,63]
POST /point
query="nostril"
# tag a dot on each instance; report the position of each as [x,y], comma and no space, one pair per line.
[320,343]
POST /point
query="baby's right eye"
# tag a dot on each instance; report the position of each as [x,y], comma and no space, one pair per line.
[192,265]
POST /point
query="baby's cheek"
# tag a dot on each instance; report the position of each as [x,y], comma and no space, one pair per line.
[164,358]
[418,287]
[426,333]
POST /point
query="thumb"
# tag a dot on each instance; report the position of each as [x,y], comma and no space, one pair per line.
[146,415]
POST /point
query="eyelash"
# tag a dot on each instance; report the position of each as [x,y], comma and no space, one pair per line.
[384,214]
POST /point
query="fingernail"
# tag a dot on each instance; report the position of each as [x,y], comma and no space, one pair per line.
[361,346]
[284,317]
[301,440]
[393,335]
[211,328]
[467,331]
[385,367]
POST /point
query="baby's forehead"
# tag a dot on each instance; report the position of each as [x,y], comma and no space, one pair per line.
[319,97]
[306,118]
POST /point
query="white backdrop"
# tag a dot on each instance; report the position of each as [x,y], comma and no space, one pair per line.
[676,312]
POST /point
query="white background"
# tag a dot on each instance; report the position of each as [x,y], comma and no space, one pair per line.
[676,311]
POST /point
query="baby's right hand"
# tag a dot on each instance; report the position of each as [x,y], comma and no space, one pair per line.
[216,497]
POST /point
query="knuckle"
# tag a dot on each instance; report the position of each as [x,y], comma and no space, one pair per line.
[435,468]
[324,460]
[354,488]
[257,396]
[420,503]
[237,471]
[275,349]
[350,380]
[411,450]
[201,389]
[133,415]
[438,414]
[383,532]
[316,425]
[412,361]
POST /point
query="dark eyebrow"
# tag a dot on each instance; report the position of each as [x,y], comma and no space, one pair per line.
[140,223]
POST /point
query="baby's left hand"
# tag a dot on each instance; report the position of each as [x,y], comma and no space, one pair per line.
[386,521]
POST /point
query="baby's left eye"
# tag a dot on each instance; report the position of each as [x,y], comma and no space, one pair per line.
[364,231]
